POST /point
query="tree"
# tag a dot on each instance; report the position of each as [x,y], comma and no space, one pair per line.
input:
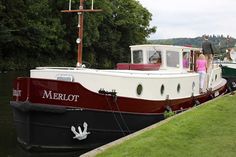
[33,33]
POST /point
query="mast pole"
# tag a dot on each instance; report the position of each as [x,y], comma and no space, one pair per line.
[80,33]
[80,13]
[69,4]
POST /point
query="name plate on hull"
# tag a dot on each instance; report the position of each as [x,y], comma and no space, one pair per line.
[59,96]
[16,92]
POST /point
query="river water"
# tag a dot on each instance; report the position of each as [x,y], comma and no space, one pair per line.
[8,143]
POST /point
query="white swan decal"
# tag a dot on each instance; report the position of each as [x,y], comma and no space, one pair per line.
[81,135]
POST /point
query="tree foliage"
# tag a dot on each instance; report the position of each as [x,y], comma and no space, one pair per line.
[34,33]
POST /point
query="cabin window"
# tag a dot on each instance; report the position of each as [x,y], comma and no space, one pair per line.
[186,59]
[154,57]
[138,56]
[172,58]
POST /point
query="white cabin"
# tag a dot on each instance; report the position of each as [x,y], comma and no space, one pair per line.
[159,70]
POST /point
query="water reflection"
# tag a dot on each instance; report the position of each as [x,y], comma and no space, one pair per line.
[8,142]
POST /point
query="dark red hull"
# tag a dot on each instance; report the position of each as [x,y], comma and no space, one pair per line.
[33,90]
[44,111]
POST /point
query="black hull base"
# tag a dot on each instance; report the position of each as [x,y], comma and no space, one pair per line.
[231,83]
[49,128]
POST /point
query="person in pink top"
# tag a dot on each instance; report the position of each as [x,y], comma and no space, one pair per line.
[201,66]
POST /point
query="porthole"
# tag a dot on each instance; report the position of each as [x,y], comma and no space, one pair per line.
[139,89]
[193,86]
[178,88]
[216,77]
[162,89]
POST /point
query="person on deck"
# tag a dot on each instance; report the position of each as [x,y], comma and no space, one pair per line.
[227,57]
[201,65]
[207,50]
[185,60]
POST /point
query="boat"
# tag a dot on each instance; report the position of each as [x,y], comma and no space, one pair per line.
[67,108]
[229,69]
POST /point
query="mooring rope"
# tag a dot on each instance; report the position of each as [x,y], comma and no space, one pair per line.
[115,116]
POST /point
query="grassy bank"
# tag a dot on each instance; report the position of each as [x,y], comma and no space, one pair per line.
[208,130]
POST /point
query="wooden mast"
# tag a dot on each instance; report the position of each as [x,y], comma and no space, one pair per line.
[80,13]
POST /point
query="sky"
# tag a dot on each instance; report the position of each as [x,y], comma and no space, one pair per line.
[191,18]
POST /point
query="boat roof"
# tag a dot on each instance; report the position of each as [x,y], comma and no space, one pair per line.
[164,46]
